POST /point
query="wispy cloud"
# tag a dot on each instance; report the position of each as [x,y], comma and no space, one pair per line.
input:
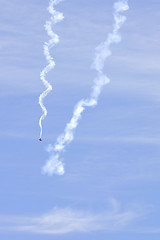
[62,221]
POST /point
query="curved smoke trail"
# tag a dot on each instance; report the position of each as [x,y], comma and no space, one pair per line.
[55,164]
[55,17]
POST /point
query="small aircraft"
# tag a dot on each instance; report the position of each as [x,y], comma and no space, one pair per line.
[40,139]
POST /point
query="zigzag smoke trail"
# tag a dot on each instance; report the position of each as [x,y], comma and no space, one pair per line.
[55,17]
[55,163]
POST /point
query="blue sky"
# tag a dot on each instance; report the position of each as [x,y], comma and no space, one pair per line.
[110,188]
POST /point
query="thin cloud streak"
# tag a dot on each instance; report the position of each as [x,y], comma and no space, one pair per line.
[122,139]
[110,139]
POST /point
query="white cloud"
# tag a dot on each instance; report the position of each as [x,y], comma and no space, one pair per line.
[62,221]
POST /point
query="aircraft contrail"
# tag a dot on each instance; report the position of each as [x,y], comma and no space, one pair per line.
[55,163]
[55,17]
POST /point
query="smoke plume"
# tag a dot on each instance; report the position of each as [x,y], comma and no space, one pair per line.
[55,17]
[55,163]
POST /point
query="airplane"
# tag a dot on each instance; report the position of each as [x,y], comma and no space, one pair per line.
[40,139]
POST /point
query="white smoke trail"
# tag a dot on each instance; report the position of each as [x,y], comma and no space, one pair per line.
[55,17]
[55,164]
